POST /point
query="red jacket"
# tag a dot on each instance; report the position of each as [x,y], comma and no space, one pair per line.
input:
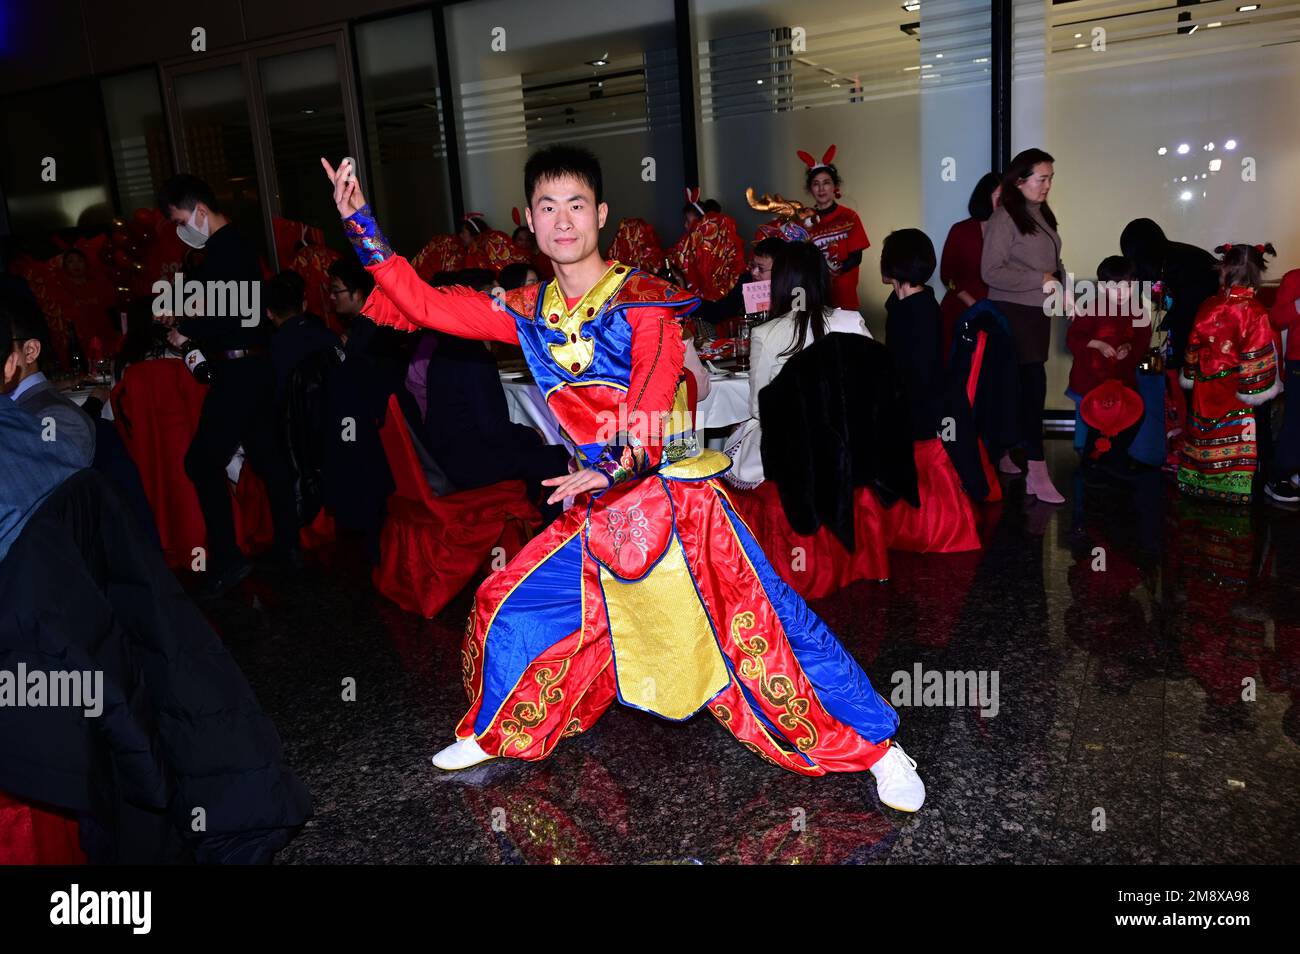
[1091,367]
[1285,313]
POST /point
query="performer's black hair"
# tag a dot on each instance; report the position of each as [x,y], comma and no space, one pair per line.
[1013,200]
[561,159]
[980,205]
[1116,268]
[514,275]
[1243,265]
[283,294]
[184,192]
[353,276]
[800,272]
[907,256]
[769,247]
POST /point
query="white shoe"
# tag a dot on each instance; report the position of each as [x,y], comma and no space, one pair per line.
[897,783]
[461,754]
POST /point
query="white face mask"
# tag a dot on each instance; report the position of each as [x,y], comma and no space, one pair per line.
[192,235]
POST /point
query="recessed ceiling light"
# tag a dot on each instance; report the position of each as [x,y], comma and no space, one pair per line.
[1078,35]
[1080,46]
[1216,23]
[1248,8]
[1216,165]
[1183,149]
[1230,144]
[912,6]
[938,56]
[1186,195]
[980,59]
[1161,151]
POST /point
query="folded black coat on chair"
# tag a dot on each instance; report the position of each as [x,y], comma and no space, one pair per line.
[83,589]
[834,419]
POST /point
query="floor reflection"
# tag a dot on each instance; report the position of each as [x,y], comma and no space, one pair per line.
[1148,652]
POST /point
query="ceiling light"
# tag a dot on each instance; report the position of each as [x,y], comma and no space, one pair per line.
[1216,165]
[1230,144]
[1186,195]
[1183,149]
[1248,8]
[912,6]
[1161,151]
[1216,23]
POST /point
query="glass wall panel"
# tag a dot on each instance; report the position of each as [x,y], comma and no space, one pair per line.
[901,89]
[603,75]
[137,132]
[219,145]
[1184,114]
[402,113]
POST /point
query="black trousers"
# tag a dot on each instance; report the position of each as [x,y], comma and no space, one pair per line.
[239,411]
[1033,398]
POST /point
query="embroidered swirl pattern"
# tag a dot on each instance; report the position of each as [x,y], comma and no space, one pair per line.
[778,689]
[529,715]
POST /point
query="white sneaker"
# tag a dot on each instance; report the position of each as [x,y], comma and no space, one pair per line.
[897,783]
[461,754]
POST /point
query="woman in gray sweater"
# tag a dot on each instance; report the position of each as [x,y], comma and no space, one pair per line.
[1022,256]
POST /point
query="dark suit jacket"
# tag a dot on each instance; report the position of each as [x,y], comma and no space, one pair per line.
[71,423]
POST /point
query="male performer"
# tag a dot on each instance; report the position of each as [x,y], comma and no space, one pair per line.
[649,588]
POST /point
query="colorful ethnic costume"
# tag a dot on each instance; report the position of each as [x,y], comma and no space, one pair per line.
[838,232]
[637,244]
[1231,368]
[653,591]
[711,256]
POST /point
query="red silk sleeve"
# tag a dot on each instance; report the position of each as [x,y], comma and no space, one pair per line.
[658,353]
[402,300]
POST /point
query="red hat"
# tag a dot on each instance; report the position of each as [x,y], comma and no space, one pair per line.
[1110,407]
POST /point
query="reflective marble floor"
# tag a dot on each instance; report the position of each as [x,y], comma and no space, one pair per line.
[1145,711]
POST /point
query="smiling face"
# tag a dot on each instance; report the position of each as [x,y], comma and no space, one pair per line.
[566,219]
[1038,184]
[822,188]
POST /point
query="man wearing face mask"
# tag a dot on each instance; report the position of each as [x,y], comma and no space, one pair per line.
[236,410]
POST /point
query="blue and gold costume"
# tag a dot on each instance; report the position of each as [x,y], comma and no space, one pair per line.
[653,591]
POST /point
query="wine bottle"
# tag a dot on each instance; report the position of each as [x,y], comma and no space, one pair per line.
[196,362]
[76,358]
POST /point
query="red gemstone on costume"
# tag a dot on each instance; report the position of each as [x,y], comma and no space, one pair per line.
[573,337]
[574,367]
[590,312]
[555,319]
[620,270]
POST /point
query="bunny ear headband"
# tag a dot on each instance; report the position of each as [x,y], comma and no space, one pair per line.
[693,198]
[827,157]
[1227,247]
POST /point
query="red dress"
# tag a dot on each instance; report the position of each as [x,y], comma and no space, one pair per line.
[839,233]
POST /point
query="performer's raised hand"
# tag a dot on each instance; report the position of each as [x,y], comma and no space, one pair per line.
[347,190]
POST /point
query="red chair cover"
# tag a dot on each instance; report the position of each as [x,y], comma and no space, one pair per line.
[817,565]
[30,835]
[945,523]
[156,408]
[430,546]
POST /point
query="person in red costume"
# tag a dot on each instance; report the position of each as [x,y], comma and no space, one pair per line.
[648,589]
[838,231]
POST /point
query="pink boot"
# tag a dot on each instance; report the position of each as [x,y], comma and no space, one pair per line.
[1040,483]
[1008,466]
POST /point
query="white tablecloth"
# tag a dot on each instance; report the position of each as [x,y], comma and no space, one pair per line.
[727,404]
